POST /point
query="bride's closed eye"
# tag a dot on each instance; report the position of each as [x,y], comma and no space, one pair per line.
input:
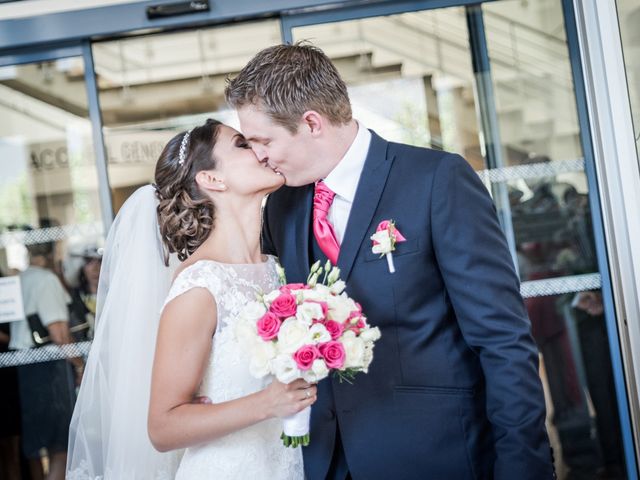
[241,142]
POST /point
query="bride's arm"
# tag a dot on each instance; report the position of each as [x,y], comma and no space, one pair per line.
[182,352]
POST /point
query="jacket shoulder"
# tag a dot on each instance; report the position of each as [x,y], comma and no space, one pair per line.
[422,159]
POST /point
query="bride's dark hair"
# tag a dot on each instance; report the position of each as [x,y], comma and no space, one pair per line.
[185,214]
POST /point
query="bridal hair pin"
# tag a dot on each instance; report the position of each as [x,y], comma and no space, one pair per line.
[182,155]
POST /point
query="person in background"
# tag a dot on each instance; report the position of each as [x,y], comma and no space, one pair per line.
[47,388]
[83,295]
[10,408]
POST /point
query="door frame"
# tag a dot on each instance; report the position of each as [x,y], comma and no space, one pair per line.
[70,33]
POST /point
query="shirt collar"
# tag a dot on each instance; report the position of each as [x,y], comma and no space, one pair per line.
[343,179]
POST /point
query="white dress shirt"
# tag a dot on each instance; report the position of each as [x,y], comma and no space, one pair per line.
[42,293]
[344,178]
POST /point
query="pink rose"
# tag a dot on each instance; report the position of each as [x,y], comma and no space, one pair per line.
[333,354]
[268,326]
[383,225]
[284,306]
[305,356]
[335,329]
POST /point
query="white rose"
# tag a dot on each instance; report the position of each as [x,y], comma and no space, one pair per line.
[309,311]
[271,296]
[292,335]
[285,368]
[384,242]
[368,357]
[246,333]
[319,293]
[370,334]
[317,372]
[253,311]
[354,349]
[340,307]
[318,333]
[338,287]
[261,355]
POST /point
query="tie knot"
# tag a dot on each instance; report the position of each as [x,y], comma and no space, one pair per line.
[323,197]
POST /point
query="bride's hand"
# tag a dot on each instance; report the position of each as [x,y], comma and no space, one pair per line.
[283,400]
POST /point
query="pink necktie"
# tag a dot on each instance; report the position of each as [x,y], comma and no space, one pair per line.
[322,229]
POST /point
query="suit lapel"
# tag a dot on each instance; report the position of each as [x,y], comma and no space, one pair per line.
[372,181]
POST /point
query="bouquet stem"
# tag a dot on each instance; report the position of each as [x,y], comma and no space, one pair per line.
[296,429]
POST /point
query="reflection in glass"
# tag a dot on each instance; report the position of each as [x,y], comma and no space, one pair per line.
[552,224]
[409,77]
[50,216]
[153,87]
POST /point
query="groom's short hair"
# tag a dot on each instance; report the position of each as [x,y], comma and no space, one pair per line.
[287,80]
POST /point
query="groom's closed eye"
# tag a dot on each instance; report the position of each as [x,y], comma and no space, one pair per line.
[261,140]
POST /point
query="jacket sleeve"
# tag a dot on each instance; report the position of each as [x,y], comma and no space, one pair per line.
[484,291]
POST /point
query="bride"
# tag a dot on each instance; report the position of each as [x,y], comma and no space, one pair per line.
[146,371]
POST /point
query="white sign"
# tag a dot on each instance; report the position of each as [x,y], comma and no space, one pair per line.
[11,307]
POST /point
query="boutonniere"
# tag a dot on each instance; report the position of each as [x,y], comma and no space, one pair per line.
[384,241]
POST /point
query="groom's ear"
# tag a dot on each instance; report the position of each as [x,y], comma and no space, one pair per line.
[209,181]
[313,121]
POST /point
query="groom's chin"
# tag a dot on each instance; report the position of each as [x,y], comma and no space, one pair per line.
[297,182]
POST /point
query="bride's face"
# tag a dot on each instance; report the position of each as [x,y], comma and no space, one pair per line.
[239,167]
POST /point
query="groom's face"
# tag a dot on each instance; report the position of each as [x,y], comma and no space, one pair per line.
[287,153]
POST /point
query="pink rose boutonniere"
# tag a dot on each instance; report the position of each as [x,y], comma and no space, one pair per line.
[385,239]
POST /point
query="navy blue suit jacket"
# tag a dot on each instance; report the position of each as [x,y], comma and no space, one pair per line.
[453,391]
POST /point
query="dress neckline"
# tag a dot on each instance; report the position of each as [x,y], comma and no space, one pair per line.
[269,259]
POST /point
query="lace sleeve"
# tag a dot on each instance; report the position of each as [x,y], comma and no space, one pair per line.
[194,276]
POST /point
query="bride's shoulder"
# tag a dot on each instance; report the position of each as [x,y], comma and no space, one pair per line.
[196,268]
[197,274]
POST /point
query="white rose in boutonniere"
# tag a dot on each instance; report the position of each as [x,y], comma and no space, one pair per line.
[385,239]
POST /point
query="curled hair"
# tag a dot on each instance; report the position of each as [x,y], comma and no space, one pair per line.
[185,214]
[288,80]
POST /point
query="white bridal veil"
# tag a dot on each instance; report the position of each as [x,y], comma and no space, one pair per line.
[108,435]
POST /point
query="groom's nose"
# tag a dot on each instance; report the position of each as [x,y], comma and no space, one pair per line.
[260,152]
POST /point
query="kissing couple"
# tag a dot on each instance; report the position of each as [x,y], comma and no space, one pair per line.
[453,391]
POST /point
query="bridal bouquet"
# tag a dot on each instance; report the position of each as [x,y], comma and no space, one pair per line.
[306,331]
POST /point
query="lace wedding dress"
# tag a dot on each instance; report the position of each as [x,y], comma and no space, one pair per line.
[255,452]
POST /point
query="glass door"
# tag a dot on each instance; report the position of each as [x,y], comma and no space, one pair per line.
[494,84]
[51,234]
[151,87]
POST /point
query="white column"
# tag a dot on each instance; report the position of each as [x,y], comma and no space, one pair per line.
[618,174]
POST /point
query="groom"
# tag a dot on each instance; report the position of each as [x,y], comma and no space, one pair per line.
[453,392]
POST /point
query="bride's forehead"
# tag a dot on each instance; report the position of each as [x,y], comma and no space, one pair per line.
[227,132]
